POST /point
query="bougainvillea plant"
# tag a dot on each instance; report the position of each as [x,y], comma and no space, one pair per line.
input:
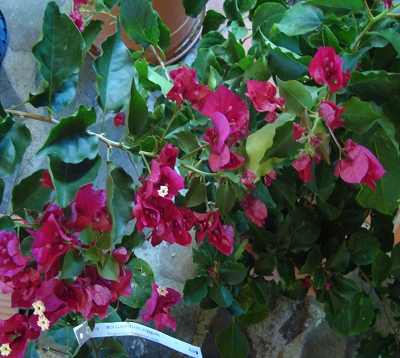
[283,158]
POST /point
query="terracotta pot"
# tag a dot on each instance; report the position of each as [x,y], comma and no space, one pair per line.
[184,30]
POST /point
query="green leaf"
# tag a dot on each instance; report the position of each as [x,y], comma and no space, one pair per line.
[283,192]
[387,192]
[380,268]
[68,178]
[262,290]
[31,351]
[202,259]
[232,343]
[142,278]
[339,260]
[300,19]
[73,264]
[363,247]
[395,261]
[323,180]
[115,70]
[212,21]
[233,272]
[70,139]
[15,138]
[225,199]
[132,240]
[196,194]
[313,261]
[140,22]
[26,246]
[285,64]
[265,264]
[90,33]
[110,269]
[205,59]
[137,112]
[361,313]
[255,314]
[193,8]
[337,7]
[264,12]
[59,54]
[261,192]
[359,116]
[376,345]
[120,198]
[30,194]
[296,95]
[110,347]
[344,286]
[374,86]
[392,36]
[187,141]
[307,228]
[195,289]
[221,295]
[150,79]
[283,145]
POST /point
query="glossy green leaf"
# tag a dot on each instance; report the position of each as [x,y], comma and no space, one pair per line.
[323,181]
[90,33]
[133,240]
[196,194]
[31,351]
[359,116]
[30,194]
[204,60]
[361,313]
[232,11]
[142,278]
[140,21]
[193,8]
[70,140]
[150,79]
[255,314]
[374,86]
[231,342]
[226,198]
[212,21]
[68,178]
[262,289]
[202,259]
[363,247]
[221,295]
[284,146]
[343,285]
[264,12]
[337,7]
[195,289]
[73,264]
[265,264]
[339,260]
[376,345]
[392,36]
[296,95]
[59,54]
[14,140]
[380,268]
[233,272]
[26,246]
[110,347]
[261,192]
[384,198]
[120,198]
[307,228]
[115,70]
[313,261]
[187,141]
[283,192]
[300,19]
[137,112]
[110,269]
[285,64]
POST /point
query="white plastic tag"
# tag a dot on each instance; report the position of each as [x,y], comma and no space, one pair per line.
[83,333]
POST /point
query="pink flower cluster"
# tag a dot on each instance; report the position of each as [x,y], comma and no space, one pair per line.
[359,165]
[37,281]
[155,209]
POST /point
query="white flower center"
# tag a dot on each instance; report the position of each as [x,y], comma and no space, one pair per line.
[39,308]
[43,323]
[163,191]
[162,291]
[5,349]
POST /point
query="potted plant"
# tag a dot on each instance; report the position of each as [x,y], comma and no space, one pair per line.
[295,176]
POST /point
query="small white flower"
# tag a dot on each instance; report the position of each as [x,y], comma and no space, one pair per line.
[5,349]
[39,307]
[162,291]
[163,191]
[43,323]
